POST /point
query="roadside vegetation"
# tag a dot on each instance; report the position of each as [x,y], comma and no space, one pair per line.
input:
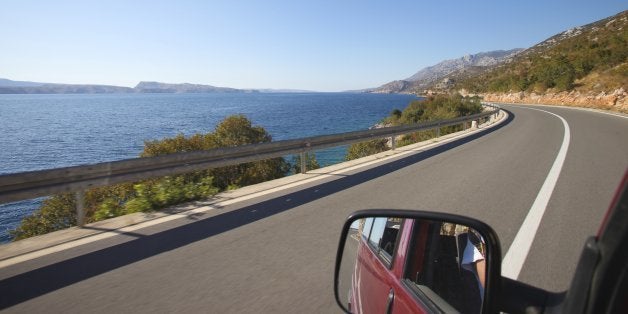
[440,107]
[310,162]
[58,212]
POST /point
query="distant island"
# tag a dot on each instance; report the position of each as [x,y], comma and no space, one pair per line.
[157,87]
[24,87]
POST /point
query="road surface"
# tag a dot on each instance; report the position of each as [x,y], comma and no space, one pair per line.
[276,253]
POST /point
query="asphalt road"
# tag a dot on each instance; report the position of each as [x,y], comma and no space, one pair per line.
[276,253]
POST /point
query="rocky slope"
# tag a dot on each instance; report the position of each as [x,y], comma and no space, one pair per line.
[439,75]
[584,66]
[614,101]
[482,59]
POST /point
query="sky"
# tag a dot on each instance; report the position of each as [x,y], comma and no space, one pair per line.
[315,45]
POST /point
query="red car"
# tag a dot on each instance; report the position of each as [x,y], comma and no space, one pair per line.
[401,261]
[422,265]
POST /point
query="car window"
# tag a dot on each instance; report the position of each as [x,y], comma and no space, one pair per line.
[383,235]
[379,224]
[436,269]
[366,229]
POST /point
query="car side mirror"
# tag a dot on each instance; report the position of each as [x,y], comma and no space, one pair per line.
[416,261]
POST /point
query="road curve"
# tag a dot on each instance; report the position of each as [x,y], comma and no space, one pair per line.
[276,253]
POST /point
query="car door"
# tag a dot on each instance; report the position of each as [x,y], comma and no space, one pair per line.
[374,278]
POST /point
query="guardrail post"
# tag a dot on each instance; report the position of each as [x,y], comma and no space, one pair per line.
[393,142]
[438,130]
[303,164]
[80,211]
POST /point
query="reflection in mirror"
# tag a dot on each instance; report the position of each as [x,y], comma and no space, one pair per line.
[389,263]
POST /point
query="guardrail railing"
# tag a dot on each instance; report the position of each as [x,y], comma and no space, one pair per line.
[32,184]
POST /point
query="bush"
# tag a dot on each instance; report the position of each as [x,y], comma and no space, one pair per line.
[310,162]
[55,213]
[58,212]
[364,149]
[441,107]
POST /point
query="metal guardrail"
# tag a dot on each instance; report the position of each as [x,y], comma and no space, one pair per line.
[28,185]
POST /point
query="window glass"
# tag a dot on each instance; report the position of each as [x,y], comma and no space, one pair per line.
[389,238]
[383,237]
[366,230]
[441,265]
[379,224]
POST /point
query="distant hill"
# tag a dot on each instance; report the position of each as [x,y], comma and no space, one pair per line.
[271,90]
[22,87]
[157,87]
[10,83]
[438,75]
[589,58]
[44,88]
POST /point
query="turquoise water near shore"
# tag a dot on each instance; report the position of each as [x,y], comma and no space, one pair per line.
[48,131]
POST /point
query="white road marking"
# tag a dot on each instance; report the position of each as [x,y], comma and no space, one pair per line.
[600,111]
[520,247]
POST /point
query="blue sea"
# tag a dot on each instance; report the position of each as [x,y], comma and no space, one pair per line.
[49,131]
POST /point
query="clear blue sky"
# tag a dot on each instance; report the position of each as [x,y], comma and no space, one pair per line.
[317,45]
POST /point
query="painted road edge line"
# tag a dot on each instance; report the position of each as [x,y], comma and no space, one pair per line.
[520,247]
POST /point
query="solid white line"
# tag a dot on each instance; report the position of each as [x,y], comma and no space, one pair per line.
[520,247]
[592,110]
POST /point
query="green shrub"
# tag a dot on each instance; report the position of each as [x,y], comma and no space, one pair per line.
[363,149]
[310,162]
[441,107]
[58,211]
[55,213]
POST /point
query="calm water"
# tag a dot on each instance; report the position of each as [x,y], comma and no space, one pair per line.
[48,131]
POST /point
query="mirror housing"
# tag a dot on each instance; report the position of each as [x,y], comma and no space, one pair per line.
[395,220]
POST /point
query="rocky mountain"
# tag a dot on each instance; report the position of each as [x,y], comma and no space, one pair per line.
[589,58]
[438,75]
[482,59]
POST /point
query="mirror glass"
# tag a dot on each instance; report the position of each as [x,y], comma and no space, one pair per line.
[394,264]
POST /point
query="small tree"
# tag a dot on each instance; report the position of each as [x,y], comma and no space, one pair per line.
[55,213]
[238,130]
[368,148]
[310,162]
